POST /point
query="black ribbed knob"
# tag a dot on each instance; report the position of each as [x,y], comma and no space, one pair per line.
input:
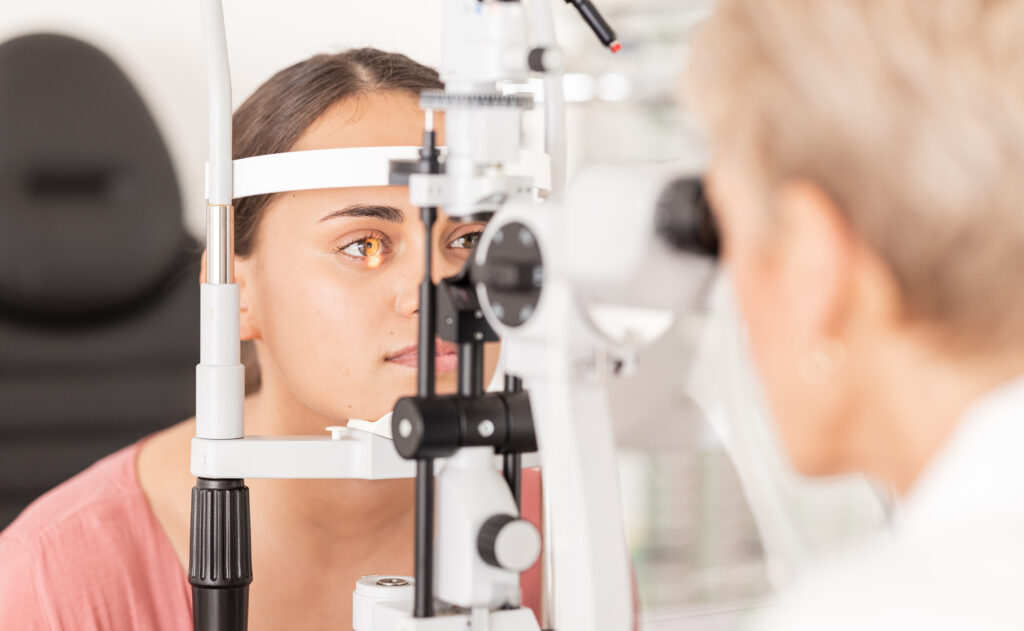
[220,555]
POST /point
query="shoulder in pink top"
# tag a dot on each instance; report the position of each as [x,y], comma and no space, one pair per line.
[90,555]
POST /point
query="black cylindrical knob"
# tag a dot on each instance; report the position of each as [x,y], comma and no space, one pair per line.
[484,421]
[220,555]
[425,428]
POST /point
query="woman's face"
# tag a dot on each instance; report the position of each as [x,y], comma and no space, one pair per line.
[331,290]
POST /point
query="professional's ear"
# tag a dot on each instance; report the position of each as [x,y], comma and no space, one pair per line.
[248,328]
[817,254]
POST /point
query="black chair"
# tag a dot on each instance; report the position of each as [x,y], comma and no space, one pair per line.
[99,300]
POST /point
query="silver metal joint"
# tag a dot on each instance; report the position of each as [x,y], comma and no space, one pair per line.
[393,581]
[220,244]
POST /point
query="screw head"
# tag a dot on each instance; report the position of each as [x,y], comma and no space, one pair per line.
[392,581]
[485,428]
[526,238]
[405,428]
[538,276]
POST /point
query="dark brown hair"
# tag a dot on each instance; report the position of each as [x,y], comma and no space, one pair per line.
[277,114]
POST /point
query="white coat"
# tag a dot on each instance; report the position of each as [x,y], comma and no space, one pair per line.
[955,557]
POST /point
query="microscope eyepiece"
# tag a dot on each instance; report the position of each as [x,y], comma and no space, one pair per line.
[684,218]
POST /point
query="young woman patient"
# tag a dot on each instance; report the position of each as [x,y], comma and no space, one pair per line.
[329,282]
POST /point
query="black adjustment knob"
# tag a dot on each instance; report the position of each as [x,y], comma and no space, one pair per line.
[425,428]
[220,558]
[685,220]
[520,434]
[508,543]
[545,59]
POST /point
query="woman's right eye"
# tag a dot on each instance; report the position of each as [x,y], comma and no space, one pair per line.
[369,250]
[365,248]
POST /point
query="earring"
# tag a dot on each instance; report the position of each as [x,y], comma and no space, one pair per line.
[818,365]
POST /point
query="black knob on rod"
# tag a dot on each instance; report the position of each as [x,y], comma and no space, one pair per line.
[220,555]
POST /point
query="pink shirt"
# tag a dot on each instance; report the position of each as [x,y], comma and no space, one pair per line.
[90,555]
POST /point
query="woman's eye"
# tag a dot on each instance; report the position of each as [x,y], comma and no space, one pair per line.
[467,241]
[366,247]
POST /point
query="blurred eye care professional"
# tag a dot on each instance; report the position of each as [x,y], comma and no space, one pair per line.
[868,177]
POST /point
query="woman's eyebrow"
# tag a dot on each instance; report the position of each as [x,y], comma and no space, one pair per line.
[384,213]
[449,220]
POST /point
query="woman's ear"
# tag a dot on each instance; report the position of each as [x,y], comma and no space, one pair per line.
[248,321]
[248,328]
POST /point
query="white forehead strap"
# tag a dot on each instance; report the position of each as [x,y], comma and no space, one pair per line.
[347,168]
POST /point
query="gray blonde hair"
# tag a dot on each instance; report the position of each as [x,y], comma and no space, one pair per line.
[910,114]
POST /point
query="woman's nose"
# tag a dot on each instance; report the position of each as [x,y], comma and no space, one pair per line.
[407,300]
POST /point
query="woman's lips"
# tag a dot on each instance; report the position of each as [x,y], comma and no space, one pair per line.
[445,357]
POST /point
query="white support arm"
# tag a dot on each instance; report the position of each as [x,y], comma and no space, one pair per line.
[346,168]
[355,454]
[360,451]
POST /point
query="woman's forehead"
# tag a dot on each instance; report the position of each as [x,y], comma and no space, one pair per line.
[374,119]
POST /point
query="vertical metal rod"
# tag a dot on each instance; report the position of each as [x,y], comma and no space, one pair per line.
[471,369]
[426,349]
[512,464]
[220,244]
[424,590]
[512,467]
[426,352]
